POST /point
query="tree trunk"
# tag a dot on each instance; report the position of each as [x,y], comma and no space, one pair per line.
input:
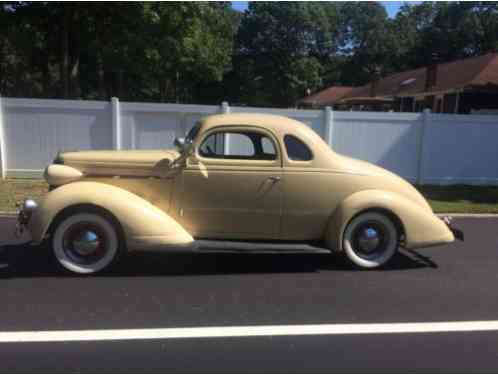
[64,63]
[99,64]
[177,88]
[47,92]
[1,65]
[100,76]
[75,78]
[120,84]
[74,62]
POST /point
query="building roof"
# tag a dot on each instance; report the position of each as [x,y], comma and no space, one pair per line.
[326,97]
[470,72]
[455,75]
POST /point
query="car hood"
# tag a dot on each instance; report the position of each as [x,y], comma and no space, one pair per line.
[133,162]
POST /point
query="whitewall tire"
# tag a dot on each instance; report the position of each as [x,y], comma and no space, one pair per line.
[370,240]
[86,243]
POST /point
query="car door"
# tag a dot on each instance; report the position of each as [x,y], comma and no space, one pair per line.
[304,214]
[232,185]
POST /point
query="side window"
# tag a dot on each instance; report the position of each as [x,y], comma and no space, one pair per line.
[297,149]
[268,146]
[238,145]
[208,147]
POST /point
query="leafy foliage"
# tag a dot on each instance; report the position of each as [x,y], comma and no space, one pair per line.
[270,55]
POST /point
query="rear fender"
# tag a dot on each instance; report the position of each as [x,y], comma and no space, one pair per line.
[144,225]
[421,227]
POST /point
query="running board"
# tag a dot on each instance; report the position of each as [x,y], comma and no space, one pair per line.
[212,246]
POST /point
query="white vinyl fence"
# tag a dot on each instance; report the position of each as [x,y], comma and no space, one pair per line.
[422,147]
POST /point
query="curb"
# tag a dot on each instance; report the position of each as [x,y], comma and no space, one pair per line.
[475,216]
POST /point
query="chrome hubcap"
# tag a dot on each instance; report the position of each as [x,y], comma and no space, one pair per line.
[86,243]
[368,240]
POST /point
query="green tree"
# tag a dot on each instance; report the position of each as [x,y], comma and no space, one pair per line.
[369,40]
[450,30]
[281,50]
[187,43]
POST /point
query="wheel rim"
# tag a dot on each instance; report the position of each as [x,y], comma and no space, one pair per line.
[85,243]
[370,240]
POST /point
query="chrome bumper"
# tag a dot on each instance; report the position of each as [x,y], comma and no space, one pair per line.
[25,212]
[458,233]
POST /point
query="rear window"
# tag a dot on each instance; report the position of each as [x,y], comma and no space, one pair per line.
[296,149]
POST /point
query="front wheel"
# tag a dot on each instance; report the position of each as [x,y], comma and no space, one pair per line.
[86,243]
[370,240]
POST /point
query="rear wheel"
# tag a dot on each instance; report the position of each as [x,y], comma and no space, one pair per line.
[370,240]
[86,243]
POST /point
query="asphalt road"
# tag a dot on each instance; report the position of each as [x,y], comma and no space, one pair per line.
[452,283]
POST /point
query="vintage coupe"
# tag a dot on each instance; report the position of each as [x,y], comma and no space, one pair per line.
[276,181]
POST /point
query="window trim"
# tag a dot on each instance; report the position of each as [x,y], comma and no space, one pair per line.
[304,143]
[277,162]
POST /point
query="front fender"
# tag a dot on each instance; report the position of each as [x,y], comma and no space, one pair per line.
[144,225]
[422,228]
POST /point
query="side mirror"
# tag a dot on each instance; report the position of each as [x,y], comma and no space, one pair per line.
[180,144]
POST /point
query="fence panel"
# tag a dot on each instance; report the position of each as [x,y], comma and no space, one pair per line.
[461,149]
[390,140]
[429,148]
[35,130]
[149,126]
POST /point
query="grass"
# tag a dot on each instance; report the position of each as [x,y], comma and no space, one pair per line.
[12,191]
[461,198]
[447,199]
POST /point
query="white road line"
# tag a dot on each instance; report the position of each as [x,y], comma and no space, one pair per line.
[246,331]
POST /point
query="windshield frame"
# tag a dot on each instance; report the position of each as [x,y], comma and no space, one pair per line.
[193,133]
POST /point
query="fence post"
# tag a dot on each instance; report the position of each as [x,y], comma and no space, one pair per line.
[426,118]
[329,126]
[225,108]
[3,162]
[226,142]
[116,124]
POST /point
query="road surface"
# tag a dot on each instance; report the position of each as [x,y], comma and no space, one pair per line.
[242,293]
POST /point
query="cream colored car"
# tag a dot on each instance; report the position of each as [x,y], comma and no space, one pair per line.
[244,178]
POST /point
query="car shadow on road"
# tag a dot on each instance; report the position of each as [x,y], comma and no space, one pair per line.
[27,261]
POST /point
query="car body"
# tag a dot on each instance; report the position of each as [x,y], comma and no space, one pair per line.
[237,177]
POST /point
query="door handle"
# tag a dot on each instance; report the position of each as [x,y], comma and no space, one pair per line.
[274,178]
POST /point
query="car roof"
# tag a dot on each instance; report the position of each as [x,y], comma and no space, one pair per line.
[275,123]
[280,126]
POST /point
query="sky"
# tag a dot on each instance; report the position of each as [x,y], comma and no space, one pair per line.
[392,7]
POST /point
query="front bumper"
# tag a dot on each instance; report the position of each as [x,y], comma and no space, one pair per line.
[26,211]
[458,233]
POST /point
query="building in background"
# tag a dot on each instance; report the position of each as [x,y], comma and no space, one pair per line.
[327,97]
[463,86]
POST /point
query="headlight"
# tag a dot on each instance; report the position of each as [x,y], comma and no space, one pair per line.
[29,205]
[25,213]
